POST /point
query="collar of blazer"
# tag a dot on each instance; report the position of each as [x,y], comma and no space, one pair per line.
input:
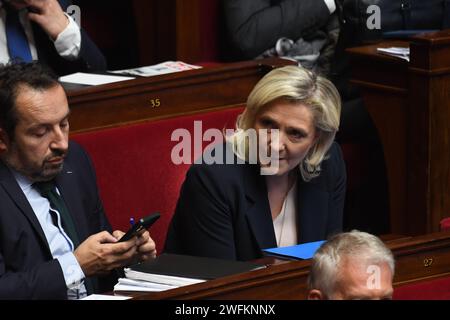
[312,209]
[258,213]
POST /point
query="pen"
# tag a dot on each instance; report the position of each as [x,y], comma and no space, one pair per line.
[132,221]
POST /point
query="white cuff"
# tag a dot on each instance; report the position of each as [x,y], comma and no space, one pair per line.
[73,274]
[331,5]
[68,42]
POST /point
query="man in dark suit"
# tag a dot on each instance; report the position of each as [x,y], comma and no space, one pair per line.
[304,30]
[55,242]
[53,37]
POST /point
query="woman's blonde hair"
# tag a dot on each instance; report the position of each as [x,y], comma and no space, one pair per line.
[299,86]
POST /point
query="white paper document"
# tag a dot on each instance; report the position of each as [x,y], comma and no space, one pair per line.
[160,278]
[92,79]
[158,69]
[105,297]
[125,284]
[398,52]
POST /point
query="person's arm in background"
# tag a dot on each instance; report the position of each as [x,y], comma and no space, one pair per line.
[255,26]
[71,42]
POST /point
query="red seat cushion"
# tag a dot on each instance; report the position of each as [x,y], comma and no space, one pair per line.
[134,169]
[438,289]
[445,224]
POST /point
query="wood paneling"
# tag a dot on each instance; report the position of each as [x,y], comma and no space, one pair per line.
[146,32]
[166,95]
[409,103]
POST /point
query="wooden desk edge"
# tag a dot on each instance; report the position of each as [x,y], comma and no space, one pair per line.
[401,246]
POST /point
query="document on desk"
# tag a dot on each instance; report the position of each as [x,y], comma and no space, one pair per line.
[398,52]
[92,79]
[158,69]
[168,271]
[105,297]
[125,284]
[299,251]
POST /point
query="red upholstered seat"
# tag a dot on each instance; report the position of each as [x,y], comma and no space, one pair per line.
[437,289]
[134,169]
[445,224]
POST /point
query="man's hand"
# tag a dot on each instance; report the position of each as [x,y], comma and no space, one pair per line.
[146,245]
[49,15]
[101,253]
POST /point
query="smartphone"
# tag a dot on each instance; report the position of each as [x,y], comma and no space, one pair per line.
[143,223]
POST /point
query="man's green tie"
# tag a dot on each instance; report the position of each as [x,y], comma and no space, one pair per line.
[48,190]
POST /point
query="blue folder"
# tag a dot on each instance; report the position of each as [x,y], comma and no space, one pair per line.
[299,251]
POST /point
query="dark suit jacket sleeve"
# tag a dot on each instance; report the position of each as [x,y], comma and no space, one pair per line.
[45,281]
[90,58]
[202,223]
[255,26]
[337,185]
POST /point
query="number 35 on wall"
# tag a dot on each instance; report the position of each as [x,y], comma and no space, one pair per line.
[155,103]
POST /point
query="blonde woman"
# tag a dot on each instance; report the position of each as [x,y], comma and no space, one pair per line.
[232,211]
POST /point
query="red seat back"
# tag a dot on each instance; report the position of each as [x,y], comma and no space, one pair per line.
[134,169]
[438,289]
[445,224]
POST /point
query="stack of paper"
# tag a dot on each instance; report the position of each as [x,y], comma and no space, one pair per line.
[92,79]
[126,284]
[169,271]
[173,281]
[398,52]
[162,68]
[105,297]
